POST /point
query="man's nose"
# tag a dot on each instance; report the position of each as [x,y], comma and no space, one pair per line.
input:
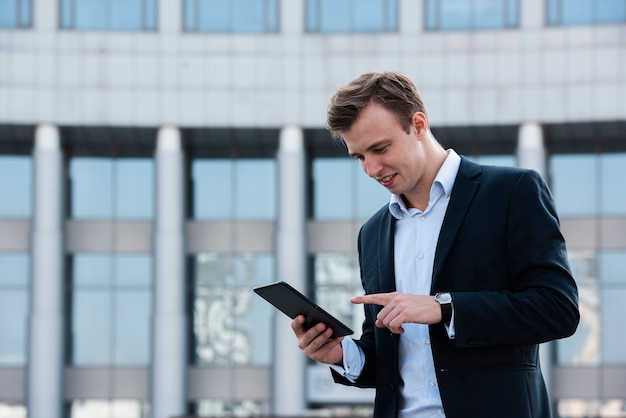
[372,167]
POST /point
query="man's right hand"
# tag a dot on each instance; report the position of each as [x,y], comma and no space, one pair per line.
[316,342]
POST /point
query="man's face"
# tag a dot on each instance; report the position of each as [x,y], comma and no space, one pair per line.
[387,153]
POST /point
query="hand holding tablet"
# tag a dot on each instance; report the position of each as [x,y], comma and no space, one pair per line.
[293,303]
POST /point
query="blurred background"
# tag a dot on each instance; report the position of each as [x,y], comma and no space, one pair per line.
[160,158]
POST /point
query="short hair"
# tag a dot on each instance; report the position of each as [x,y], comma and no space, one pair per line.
[393,90]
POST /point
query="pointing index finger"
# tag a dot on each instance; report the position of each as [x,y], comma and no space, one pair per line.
[381,299]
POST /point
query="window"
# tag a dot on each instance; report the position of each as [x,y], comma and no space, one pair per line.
[15,14]
[231,325]
[114,15]
[226,189]
[350,16]
[585,12]
[118,408]
[342,191]
[14,294]
[111,307]
[231,16]
[15,186]
[471,14]
[112,188]
[336,281]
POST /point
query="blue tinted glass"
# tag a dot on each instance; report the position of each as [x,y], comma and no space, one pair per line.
[576,11]
[133,270]
[477,14]
[14,269]
[498,160]
[553,11]
[255,188]
[91,14]
[91,327]
[8,14]
[13,326]
[91,184]
[126,14]
[489,14]
[369,16]
[332,188]
[15,186]
[432,15]
[612,184]
[243,16]
[134,196]
[335,15]
[613,313]
[455,14]
[610,11]
[132,312]
[612,265]
[239,189]
[66,13]
[190,15]
[92,269]
[25,13]
[212,189]
[312,16]
[574,180]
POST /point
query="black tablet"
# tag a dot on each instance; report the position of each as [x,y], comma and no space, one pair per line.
[293,303]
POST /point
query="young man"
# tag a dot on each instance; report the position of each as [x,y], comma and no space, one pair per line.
[465,271]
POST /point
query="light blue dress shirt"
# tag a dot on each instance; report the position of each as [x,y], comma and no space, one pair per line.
[415,242]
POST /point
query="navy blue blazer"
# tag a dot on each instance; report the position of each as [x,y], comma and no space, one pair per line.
[501,255]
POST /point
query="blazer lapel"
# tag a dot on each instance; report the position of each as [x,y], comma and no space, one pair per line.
[465,187]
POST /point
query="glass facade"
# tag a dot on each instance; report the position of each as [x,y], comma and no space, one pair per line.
[15,14]
[585,12]
[16,186]
[231,325]
[471,15]
[111,309]
[95,408]
[112,188]
[231,16]
[351,16]
[14,295]
[234,189]
[342,191]
[109,15]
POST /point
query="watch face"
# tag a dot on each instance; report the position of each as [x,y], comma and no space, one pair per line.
[443,298]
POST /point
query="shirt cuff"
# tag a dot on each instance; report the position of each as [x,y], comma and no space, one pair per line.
[353,360]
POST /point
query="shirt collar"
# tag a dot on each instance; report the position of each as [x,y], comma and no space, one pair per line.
[444,179]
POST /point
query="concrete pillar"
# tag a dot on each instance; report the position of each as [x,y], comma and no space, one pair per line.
[169,362]
[289,362]
[44,387]
[531,153]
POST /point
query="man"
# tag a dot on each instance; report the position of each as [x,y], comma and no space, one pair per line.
[465,271]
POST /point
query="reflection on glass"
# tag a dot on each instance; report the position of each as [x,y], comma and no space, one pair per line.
[118,408]
[238,16]
[350,16]
[12,410]
[234,189]
[612,265]
[342,191]
[584,408]
[583,348]
[612,185]
[477,14]
[14,302]
[121,15]
[104,188]
[497,160]
[231,325]
[336,281]
[111,305]
[227,408]
[16,186]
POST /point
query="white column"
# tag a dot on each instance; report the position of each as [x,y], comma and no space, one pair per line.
[45,352]
[169,362]
[531,153]
[289,362]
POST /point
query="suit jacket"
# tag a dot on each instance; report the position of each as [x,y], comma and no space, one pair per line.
[501,255]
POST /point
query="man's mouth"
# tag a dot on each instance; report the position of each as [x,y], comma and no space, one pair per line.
[387,180]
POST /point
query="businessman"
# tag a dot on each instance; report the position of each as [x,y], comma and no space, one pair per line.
[465,270]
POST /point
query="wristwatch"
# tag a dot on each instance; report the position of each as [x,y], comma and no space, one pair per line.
[445,301]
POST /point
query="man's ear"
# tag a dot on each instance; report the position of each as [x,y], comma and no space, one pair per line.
[419,123]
